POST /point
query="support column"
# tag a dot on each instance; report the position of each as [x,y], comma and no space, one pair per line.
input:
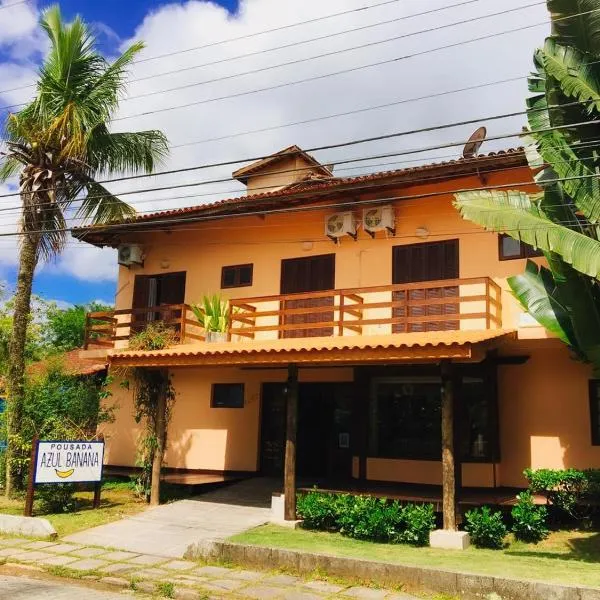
[289,477]
[448,458]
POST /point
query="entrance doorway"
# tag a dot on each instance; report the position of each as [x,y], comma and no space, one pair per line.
[310,274]
[415,263]
[324,425]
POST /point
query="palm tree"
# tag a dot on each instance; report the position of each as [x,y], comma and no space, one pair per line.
[563,220]
[60,144]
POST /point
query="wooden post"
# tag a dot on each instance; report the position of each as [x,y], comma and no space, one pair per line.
[28,511]
[289,477]
[448,462]
[160,445]
[182,323]
[98,484]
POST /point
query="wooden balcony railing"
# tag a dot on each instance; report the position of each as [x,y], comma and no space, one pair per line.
[428,306]
[455,304]
[103,329]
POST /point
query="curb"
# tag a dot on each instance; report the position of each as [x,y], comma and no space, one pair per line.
[470,586]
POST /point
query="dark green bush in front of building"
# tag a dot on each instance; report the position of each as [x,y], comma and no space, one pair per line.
[367,518]
[486,528]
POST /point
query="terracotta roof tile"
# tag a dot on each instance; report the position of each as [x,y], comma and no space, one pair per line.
[74,364]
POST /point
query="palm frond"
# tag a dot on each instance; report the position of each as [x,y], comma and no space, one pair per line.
[100,206]
[536,291]
[8,167]
[515,214]
[581,31]
[126,152]
[572,70]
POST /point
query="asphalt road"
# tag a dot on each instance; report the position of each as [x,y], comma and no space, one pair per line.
[25,588]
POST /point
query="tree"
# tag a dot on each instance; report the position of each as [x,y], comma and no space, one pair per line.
[563,220]
[60,144]
[66,327]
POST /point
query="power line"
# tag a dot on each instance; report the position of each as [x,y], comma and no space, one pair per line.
[343,145]
[324,55]
[289,45]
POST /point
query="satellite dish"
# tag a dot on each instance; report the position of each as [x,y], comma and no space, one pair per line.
[474,144]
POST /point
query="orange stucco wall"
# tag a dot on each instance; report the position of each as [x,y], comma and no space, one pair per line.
[544,410]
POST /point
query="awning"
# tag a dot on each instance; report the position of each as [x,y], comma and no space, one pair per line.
[460,346]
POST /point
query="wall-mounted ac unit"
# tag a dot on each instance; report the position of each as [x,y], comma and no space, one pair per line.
[379,218]
[340,224]
[130,254]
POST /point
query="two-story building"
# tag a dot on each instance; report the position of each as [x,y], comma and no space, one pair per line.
[381,297]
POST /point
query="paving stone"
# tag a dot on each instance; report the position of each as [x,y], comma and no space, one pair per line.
[58,561]
[399,596]
[88,552]
[116,581]
[90,578]
[179,565]
[31,556]
[213,571]
[12,541]
[282,579]
[189,580]
[323,586]
[117,568]
[147,559]
[246,575]
[64,548]
[187,594]
[10,552]
[39,545]
[87,564]
[365,593]
[145,586]
[300,595]
[153,574]
[227,585]
[119,555]
[263,592]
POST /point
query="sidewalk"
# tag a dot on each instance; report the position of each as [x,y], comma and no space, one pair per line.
[183,579]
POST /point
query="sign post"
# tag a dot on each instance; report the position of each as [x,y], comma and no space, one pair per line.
[65,461]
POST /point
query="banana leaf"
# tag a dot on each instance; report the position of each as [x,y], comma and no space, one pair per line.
[582,31]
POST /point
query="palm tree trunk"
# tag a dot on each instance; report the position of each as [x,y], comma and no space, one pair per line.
[16,372]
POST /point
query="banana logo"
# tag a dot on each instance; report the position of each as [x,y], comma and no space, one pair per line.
[65,474]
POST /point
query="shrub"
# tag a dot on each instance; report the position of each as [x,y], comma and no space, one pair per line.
[529,520]
[419,521]
[367,518]
[56,497]
[318,511]
[486,528]
[569,491]
[156,336]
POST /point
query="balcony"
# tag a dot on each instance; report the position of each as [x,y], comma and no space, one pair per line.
[447,305]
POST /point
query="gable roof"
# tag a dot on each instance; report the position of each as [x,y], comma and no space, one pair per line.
[244,173]
[306,192]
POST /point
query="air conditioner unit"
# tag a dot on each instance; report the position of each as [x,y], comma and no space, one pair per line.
[340,224]
[130,254]
[379,218]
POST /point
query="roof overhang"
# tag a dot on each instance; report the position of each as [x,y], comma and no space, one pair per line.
[457,346]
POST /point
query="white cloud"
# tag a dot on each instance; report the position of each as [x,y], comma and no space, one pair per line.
[176,26]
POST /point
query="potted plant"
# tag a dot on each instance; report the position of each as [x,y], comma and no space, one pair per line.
[213,313]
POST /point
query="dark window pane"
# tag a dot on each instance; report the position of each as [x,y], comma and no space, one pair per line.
[236,276]
[595,411]
[405,420]
[227,395]
[476,438]
[510,248]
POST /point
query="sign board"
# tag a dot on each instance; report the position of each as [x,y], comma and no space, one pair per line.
[68,462]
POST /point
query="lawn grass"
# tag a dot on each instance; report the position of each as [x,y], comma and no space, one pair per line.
[118,500]
[571,557]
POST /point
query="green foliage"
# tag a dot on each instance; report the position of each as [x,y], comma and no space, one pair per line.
[570,491]
[65,328]
[56,497]
[529,520]
[562,220]
[367,518]
[213,313]
[155,336]
[486,528]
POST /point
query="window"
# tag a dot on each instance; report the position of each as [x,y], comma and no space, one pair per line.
[405,419]
[236,276]
[595,411]
[509,248]
[227,395]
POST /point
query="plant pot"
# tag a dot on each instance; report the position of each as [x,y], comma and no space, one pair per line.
[216,336]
